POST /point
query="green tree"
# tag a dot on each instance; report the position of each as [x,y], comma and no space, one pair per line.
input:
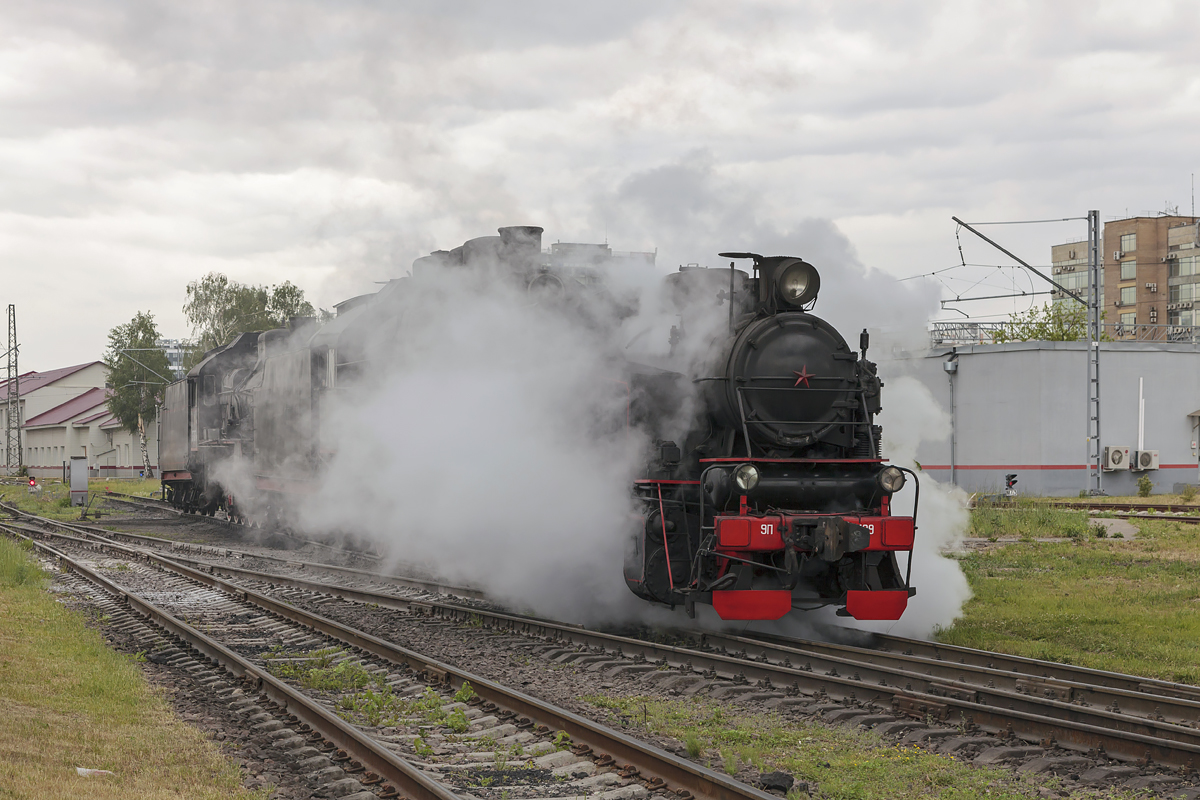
[137,371]
[218,309]
[1055,322]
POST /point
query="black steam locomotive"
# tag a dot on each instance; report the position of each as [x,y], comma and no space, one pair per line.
[770,494]
[776,496]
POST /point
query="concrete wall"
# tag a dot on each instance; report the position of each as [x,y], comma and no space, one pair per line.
[1020,407]
[111,452]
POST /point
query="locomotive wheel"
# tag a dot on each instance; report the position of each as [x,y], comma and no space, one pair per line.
[658,584]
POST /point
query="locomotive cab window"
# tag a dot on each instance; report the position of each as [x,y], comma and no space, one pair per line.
[210,389]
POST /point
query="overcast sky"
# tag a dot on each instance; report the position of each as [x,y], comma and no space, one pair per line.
[143,144]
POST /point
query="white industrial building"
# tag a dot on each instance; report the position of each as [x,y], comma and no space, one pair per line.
[63,414]
[1020,407]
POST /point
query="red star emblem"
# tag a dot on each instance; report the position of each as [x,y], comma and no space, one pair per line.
[803,376]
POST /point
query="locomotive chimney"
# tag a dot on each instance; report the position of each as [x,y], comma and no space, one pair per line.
[521,244]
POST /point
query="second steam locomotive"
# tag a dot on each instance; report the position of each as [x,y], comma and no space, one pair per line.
[763,491]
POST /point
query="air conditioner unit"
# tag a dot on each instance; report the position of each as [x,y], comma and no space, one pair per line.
[1169,256]
[1143,460]
[1152,287]
[1117,254]
[1116,458]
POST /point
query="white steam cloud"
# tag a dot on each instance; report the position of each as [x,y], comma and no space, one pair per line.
[483,448]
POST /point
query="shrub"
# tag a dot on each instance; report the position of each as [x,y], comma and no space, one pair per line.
[1144,486]
[1188,494]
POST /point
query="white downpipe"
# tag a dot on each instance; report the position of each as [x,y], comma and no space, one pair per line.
[1141,416]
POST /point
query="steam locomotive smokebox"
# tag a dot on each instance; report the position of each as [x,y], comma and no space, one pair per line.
[789,381]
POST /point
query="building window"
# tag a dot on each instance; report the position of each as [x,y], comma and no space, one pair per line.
[1183,266]
[1181,318]
[1128,295]
[1182,294]
[1129,270]
[1128,320]
[1129,242]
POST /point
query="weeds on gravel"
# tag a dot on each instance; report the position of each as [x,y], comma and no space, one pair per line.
[377,706]
[457,721]
[465,694]
[316,669]
[845,765]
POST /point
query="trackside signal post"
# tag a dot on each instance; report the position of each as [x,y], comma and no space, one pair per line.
[1094,453]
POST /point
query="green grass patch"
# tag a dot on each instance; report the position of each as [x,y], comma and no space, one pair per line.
[69,702]
[1024,518]
[54,499]
[1126,605]
[846,765]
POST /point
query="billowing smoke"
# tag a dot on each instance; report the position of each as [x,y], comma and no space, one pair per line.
[490,445]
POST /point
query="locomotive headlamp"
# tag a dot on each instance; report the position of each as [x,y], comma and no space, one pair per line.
[891,479]
[798,282]
[746,477]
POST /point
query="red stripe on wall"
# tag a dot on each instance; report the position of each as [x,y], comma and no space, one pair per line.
[929,467]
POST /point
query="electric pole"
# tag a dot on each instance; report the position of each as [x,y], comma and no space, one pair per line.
[1094,450]
[12,438]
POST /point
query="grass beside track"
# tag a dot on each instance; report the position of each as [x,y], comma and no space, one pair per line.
[54,499]
[69,701]
[844,764]
[1126,605]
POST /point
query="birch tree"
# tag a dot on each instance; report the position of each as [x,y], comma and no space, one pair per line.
[138,371]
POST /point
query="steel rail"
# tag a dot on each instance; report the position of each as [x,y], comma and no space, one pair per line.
[156,504]
[1078,727]
[652,764]
[421,584]
[937,651]
[1174,508]
[333,729]
[1133,696]
[1081,728]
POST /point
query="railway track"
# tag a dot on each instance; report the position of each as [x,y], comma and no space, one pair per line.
[938,695]
[155,504]
[453,725]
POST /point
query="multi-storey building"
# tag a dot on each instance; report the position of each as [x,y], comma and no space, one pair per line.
[1150,275]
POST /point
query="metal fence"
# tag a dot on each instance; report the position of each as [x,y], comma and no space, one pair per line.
[948,334]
